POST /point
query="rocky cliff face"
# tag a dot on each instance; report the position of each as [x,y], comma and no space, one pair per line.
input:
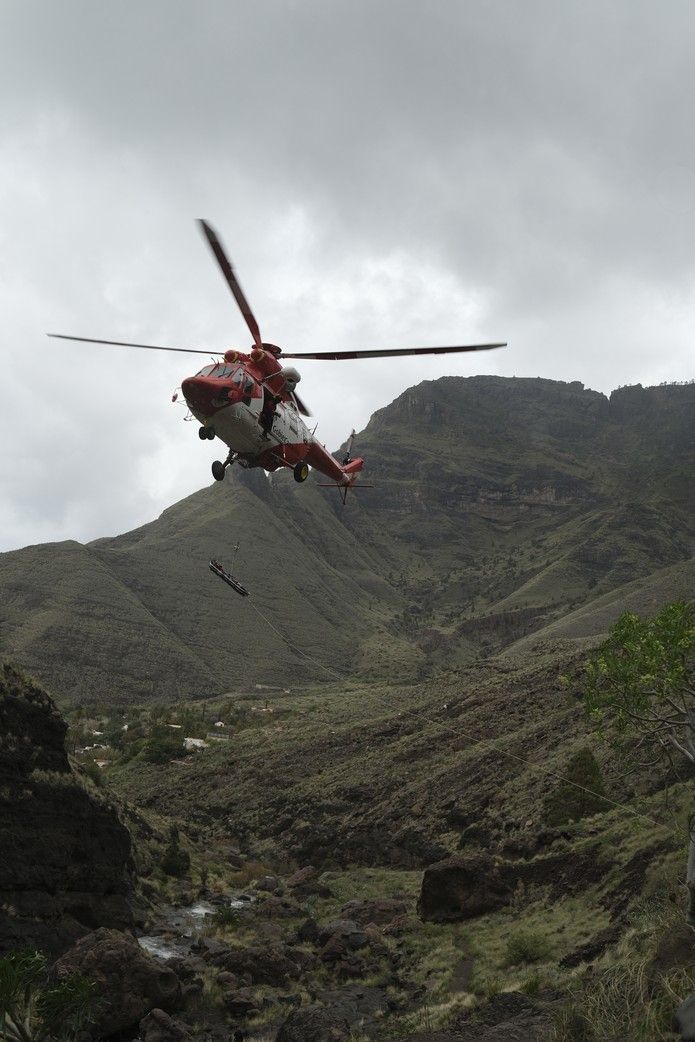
[65,864]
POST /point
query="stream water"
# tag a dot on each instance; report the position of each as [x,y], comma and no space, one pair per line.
[175,929]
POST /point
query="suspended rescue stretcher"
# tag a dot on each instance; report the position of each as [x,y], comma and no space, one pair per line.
[217,569]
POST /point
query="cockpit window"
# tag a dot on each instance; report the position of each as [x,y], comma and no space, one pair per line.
[219,370]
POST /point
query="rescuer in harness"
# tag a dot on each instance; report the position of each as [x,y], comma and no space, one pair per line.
[267,416]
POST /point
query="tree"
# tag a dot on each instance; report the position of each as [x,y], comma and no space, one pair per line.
[642,679]
[175,861]
[32,1009]
[163,745]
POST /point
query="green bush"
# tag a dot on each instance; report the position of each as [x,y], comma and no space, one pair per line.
[175,861]
[93,772]
[571,800]
[34,1010]
[226,917]
[526,946]
[162,747]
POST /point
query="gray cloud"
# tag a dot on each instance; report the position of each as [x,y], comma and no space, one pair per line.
[382,174]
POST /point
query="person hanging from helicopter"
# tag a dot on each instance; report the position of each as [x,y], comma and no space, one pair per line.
[267,414]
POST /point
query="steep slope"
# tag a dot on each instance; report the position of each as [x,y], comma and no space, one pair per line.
[643,597]
[66,865]
[499,507]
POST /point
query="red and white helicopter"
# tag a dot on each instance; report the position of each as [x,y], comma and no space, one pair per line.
[250,401]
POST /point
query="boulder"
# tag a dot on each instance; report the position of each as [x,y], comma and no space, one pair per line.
[345,932]
[315,1024]
[380,911]
[130,983]
[241,1003]
[339,1014]
[268,884]
[158,1026]
[675,951]
[304,875]
[333,951]
[462,887]
[308,931]
[273,965]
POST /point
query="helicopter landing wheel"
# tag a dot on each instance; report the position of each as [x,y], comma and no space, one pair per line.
[218,470]
[202,433]
[301,472]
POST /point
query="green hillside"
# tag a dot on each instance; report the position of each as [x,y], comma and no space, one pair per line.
[500,507]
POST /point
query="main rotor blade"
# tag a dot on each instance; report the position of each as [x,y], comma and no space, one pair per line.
[300,405]
[231,280]
[144,347]
[339,356]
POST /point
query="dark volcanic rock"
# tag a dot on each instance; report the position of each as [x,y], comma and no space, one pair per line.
[507,1017]
[158,1026]
[341,1014]
[344,932]
[315,1024]
[676,951]
[66,864]
[592,949]
[380,911]
[462,887]
[273,965]
[241,1003]
[129,982]
[468,885]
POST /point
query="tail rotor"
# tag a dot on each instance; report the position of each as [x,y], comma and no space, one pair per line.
[348,457]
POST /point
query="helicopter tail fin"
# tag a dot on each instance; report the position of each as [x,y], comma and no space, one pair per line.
[351,471]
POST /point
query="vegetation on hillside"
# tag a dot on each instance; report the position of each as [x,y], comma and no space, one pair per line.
[34,1009]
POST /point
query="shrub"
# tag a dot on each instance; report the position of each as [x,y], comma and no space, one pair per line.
[226,917]
[570,800]
[93,772]
[162,747]
[175,861]
[526,946]
[33,1010]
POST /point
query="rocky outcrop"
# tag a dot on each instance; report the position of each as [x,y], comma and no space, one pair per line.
[343,1014]
[66,863]
[462,887]
[469,885]
[158,1026]
[130,983]
[274,965]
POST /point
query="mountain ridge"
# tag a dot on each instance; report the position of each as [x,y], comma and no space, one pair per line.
[500,506]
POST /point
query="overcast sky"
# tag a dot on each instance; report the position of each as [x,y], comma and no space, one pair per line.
[382,173]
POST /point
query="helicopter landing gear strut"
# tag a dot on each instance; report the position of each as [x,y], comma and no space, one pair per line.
[206,433]
[218,468]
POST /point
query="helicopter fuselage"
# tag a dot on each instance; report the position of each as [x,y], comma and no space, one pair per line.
[247,401]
